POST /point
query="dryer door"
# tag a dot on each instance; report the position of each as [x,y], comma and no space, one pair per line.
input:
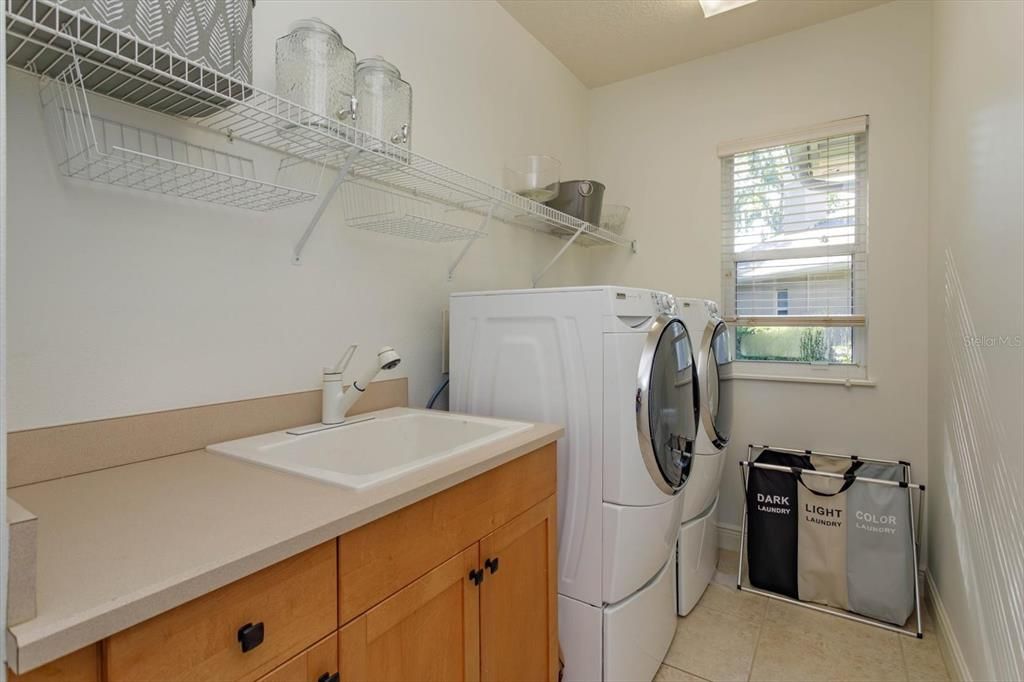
[718,417]
[667,403]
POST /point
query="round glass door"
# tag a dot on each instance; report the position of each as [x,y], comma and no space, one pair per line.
[668,405]
[720,385]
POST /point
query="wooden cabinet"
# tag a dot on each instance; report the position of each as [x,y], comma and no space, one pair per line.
[319,663]
[458,586]
[519,598]
[283,609]
[429,630]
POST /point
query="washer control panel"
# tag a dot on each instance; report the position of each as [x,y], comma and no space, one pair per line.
[664,304]
[629,302]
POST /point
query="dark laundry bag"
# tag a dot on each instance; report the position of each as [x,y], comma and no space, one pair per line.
[772,523]
[880,560]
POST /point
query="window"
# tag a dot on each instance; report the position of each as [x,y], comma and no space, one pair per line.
[794,259]
[782,302]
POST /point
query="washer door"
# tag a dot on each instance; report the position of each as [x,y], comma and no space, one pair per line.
[667,403]
[717,418]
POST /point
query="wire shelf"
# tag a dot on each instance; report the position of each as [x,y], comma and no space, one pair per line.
[100,150]
[370,208]
[44,37]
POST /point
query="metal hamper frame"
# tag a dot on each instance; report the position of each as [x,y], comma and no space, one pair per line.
[746,465]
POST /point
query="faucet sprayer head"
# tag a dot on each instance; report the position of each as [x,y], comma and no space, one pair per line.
[388,358]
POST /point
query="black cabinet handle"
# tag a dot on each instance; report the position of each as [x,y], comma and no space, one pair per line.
[250,636]
[477,576]
[328,677]
[491,565]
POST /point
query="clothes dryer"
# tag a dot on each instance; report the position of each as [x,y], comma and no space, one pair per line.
[698,535]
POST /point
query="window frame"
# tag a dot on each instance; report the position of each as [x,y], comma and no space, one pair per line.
[857,251]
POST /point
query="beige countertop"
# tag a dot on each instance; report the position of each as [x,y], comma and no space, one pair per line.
[119,546]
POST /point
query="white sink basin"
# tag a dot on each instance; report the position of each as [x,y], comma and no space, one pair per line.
[367,451]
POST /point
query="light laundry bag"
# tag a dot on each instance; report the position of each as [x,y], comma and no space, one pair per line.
[821,537]
[879,550]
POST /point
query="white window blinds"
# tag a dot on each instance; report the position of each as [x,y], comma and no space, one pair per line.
[794,227]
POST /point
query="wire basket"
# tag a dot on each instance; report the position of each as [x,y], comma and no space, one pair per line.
[101,150]
[369,207]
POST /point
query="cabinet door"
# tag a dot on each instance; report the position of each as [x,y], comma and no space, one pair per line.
[518,598]
[319,662]
[427,631]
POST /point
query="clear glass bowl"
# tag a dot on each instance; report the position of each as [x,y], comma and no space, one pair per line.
[534,177]
[614,217]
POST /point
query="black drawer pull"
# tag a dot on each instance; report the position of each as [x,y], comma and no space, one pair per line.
[327,677]
[250,636]
[477,576]
[491,565]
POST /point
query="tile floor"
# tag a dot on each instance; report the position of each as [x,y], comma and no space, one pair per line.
[734,635]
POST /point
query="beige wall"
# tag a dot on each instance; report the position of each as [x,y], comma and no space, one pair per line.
[976,323]
[653,141]
[123,302]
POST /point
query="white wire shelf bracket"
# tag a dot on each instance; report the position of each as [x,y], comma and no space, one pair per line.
[105,151]
[43,37]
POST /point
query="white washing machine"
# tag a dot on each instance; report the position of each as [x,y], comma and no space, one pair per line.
[615,366]
[698,535]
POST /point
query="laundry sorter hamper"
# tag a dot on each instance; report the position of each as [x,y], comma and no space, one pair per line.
[825,530]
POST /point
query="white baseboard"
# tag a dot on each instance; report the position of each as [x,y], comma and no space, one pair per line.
[729,537]
[951,651]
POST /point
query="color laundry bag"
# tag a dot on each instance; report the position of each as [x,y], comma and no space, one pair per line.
[879,551]
[821,538]
[772,523]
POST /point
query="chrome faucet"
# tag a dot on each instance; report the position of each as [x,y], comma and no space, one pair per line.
[336,400]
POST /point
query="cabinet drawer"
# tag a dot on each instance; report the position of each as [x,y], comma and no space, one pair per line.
[295,601]
[319,662]
[382,557]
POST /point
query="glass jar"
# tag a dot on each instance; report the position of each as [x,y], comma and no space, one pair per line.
[315,70]
[384,103]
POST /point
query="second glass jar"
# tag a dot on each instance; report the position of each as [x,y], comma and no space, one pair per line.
[383,102]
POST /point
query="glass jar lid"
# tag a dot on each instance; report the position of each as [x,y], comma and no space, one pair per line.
[377,63]
[314,24]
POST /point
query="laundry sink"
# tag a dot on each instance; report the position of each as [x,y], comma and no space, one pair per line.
[366,451]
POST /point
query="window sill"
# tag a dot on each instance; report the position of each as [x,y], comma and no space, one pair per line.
[834,381]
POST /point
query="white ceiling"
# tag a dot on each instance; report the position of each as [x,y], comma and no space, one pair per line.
[603,41]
